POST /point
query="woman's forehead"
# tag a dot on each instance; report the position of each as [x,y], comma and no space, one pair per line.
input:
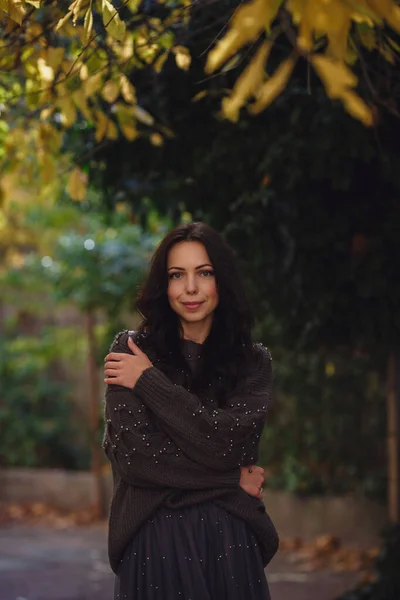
[188,255]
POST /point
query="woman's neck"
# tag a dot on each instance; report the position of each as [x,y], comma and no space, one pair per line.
[196,332]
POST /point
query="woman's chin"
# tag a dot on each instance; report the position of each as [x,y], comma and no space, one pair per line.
[195,317]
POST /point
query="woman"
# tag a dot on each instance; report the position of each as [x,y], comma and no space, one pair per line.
[185,406]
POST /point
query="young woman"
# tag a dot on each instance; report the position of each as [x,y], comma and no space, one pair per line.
[186,402]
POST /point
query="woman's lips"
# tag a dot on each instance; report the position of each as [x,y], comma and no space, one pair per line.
[192,305]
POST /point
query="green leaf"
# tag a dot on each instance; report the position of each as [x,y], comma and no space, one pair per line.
[112,21]
[88,24]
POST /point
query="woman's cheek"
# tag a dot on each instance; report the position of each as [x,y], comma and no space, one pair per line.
[173,290]
[212,291]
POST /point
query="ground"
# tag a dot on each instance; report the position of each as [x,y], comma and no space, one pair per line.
[46,563]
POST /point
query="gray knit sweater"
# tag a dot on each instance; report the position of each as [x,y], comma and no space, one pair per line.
[169,448]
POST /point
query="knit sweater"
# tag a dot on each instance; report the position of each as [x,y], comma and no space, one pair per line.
[167,447]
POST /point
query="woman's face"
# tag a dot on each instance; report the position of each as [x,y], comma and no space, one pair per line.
[192,289]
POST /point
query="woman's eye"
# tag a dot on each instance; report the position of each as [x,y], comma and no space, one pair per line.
[207,273]
[175,275]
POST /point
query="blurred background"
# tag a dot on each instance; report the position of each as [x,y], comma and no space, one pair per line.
[119,121]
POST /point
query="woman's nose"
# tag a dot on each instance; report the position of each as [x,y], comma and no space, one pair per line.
[191,284]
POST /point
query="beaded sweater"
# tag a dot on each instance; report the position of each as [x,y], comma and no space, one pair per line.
[168,447]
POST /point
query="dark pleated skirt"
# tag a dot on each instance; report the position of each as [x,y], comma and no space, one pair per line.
[196,553]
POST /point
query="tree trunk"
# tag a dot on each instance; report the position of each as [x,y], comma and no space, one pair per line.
[393,439]
[94,396]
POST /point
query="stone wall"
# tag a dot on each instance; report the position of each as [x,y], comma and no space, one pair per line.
[355,520]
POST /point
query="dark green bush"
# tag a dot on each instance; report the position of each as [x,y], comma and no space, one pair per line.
[36,417]
[327,425]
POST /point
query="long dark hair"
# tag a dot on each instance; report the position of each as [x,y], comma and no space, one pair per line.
[228,348]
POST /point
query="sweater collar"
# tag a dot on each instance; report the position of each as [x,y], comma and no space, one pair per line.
[192,350]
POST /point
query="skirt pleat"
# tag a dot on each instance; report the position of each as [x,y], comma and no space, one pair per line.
[196,553]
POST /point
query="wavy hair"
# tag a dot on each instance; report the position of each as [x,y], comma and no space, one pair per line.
[228,349]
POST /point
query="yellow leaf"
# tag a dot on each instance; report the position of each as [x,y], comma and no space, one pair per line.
[125,116]
[77,183]
[80,102]
[367,36]
[45,71]
[93,84]
[182,57]
[246,25]
[273,87]
[129,131]
[47,168]
[35,3]
[127,90]
[388,54]
[247,84]
[126,48]
[330,369]
[48,138]
[357,108]
[112,131]
[76,7]
[112,21]
[159,63]
[63,20]
[88,24]
[110,91]
[339,82]
[143,116]
[330,18]
[200,96]
[84,72]
[156,139]
[15,10]
[101,125]
[388,10]
[54,57]
[46,113]
[133,5]
[68,111]
[335,75]
[296,8]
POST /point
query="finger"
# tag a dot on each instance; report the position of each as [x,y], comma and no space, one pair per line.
[113,365]
[116,356]
[111,372]
[112,381]
[255,490]
[135,349]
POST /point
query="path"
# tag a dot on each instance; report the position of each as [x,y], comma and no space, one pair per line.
[39,563]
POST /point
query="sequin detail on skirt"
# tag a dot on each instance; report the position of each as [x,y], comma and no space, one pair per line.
[196,553]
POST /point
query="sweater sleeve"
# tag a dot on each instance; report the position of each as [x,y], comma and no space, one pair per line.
[143,454]
[224,438]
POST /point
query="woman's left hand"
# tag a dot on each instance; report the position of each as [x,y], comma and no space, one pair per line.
[125,369]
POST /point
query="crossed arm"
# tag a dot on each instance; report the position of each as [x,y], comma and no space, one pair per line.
[194,448]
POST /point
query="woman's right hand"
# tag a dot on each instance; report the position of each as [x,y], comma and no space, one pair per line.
[251,480]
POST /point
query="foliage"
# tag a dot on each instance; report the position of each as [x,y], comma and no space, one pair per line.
[308,198]
[326,428]
[71,66]
[93,264]
[67,65]
[328,34]
[386,583]
[85,260]
[37,421]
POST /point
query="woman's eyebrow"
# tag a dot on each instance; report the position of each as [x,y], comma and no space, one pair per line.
[196,268]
